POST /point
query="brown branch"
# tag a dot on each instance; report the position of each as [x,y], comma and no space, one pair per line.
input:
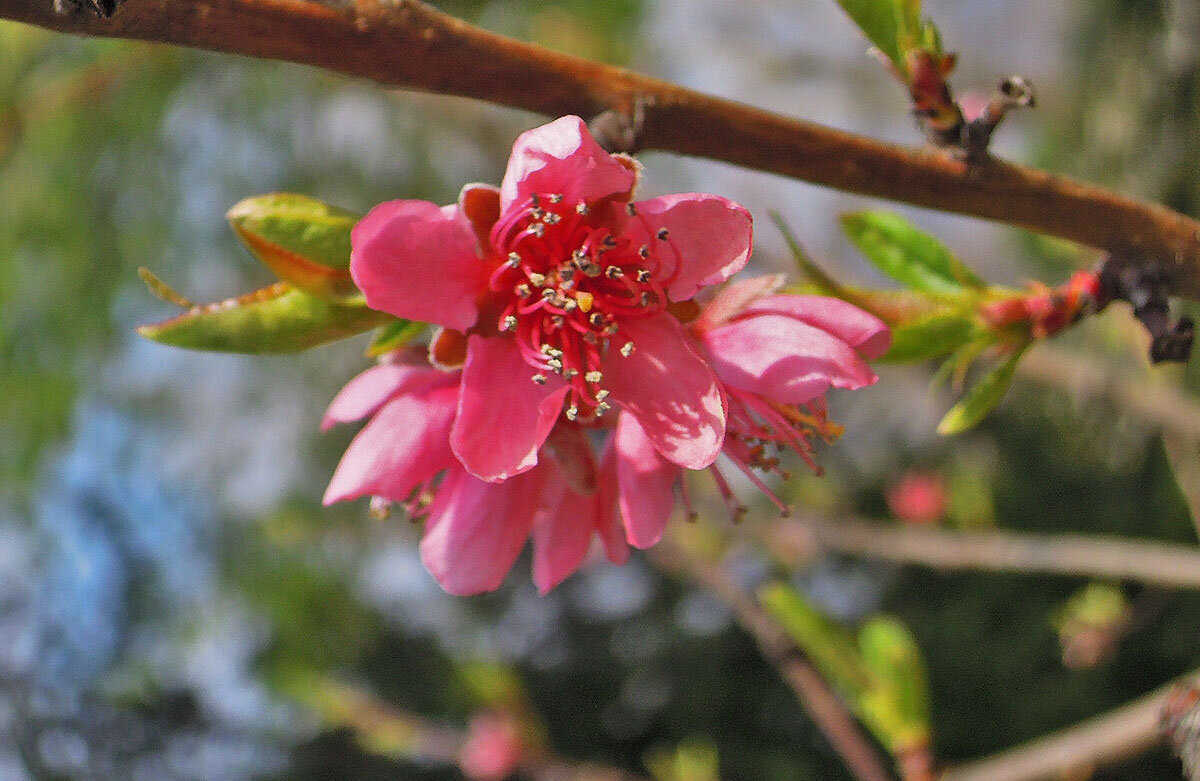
[1159,564]
[826,710]
[405,43]
[391,732]
[1120,734]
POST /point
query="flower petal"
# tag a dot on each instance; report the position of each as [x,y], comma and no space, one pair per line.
[783,359]
[369,390]
[863,331]
[562,157]
[647,483]
[404,445]
[503,416]
[608,517]
[670,390]
[568,447]
[708,239]
[476,530]
[562,533]
[416,260]
[732,299]
[480,204]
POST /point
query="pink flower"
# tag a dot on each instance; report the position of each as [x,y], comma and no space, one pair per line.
[474,530]
[494,747]
[553,293]
[919,498]
[775,356]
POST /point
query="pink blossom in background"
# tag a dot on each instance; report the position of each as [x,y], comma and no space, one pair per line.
[775,357]
[919,497]
[493,749]
[474,530]
[553,292]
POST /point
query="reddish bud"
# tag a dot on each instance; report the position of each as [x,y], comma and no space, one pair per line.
[493,749]
[918,498]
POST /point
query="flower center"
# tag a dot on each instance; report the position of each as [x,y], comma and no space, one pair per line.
[566,282]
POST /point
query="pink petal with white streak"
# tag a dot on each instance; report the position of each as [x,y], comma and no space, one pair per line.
[783,359]
[670,390]
[863,331]
[562,158]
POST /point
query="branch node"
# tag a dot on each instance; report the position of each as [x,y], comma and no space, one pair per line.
[1146,286]
[1180,724]
[103,9]
[1013,92]
[620,130]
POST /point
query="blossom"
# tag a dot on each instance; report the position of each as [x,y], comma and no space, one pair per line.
[919,497]
[474,530]
[494,747]
[775,357]
[553,293]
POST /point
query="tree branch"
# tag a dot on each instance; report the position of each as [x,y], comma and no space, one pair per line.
[1159,564]
[826,710]
[1120,734]
[404,43]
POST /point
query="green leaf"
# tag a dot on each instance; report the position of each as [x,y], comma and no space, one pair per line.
[393,336]
[928,337]
[303,241]
[909,256]
[981,398]
[695,759]
[275,319]
[879,21]
[827,644]
[897,708]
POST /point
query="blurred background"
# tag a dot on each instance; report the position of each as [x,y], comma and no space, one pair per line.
[176,604]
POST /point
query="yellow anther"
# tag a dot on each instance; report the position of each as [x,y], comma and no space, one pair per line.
[585,301]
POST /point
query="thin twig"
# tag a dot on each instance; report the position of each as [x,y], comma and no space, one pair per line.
[389,731]
[826,710]
[407,44]
[1120,734]
[1160,564]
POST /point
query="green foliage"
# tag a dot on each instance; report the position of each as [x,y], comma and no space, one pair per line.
[982,398]
[692,760]
[275,319]
[913,258]
[303,241]
[886,23]
[393,336]
[881,674]
[72,169]
[899,701]
[931,336]
[1095,605]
